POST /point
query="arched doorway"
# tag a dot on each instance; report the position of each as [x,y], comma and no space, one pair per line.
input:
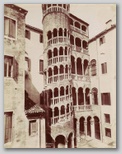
[89,126]
[70,140]
[82,128]
[60,141]
[97,127]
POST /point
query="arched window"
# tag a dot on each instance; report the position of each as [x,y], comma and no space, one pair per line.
[65,32]
[71,21]
[64,6]
[60,32]
[55,32]
[84,28]
[49,5]
[94,94]
[49,54]
[49,35]
[60,5]
[55,52]
[44,7]
[85,45]
[78,42]
[93,67]
[77,25]
[72,39]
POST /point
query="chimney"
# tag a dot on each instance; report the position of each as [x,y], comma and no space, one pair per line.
[108,24]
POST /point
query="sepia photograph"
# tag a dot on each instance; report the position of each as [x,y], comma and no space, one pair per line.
[59,76]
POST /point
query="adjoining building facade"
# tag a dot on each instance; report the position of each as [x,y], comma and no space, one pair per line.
[77,78]
[24,119]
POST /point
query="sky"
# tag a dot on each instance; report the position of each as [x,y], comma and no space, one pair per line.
[96,15]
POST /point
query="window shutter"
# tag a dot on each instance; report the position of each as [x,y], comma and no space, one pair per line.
[6,26]
[15,69]
[29,64]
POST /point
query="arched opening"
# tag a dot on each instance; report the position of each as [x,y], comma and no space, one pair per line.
[60,32]
[55,70]
[78,42]
[62,109]
[65,32]
[75,131]
[56,92]
[55,52]
[64,6]
[85,45]
[49,5]
[67,90]
[73,64]
[50,72]
[65,50]
[55,32]
[84,28]
[72,39]
[79,66]
[44,7]
[60,141]
[70,140]
[94,94]
[77,25]
[86,68]
[61,91]
[66,69]
[50,96]
[80,96]
[82,127]
[87,96]
[49,35]
[56,111]
[89,126]
[74,95]
[71,21]
[60,5]
[93,67]
[67,109]
[61,51]
[61,69]
[97,127]
[49,54]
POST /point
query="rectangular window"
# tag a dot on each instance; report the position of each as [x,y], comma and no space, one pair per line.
[27,34]
[41,38]
[102,40]
[32,127]
[8,127]
[41,66]
[107,132]
[107,118]
[8,66]
[9,27]
[104,68]
[105,98]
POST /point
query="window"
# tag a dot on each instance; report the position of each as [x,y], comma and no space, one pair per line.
[27,34]
[102,40]
[41,38]
[107,132]
[104,68]
[105,98]
[28,64]
[8,127]
[93,68]
[107,118]
[32,127]
[84,28]
[9,27]
[10,67]
[41,66]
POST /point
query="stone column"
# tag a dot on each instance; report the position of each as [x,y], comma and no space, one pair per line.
[78,131]
[53,97]
[76,69]
[66,144]
[84,97]
[92,128]
[72,141]
[90,95]
[83,68]
[43,136]
[77,98]
[39,134]
[85,128]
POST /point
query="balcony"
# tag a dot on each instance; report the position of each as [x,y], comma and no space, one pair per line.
[83,108]
[59,77]
[59,40]
[61,118]
[57,59]
[61,99]
[78,30]
[81,77]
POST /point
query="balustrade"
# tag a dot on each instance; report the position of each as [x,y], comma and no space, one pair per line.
[59,39]
[83,107]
